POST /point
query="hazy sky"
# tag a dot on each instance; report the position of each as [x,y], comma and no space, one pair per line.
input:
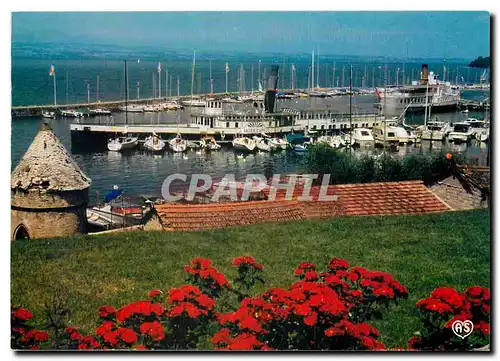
[424,34]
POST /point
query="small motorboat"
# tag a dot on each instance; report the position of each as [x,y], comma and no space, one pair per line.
[244,143]
[363,137]
[154,143]
[279,143]
[122,143]
[50,115]
[300,148]
[71,114]
[435,130]
[262,144]
[462,132]
[100,111]
[209,143]
[132,109]
[178,144]
[194,103]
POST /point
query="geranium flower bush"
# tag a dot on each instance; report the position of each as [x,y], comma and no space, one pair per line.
[442,308]
[326,309]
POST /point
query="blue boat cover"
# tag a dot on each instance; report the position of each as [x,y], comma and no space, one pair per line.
[115,193]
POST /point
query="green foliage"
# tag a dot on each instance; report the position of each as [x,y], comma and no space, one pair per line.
[345,167]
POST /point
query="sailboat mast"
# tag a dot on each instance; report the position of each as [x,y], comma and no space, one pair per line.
[333,75]
[178,86]
[312,71]
[167,84]
[350,108]
[159,80]
[317,72]
[97,95]
[211,79]
[192,73]
[252,77]
[126,92]
[67,86]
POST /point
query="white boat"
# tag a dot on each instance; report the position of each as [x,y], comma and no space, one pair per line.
[480,129]
[347,140]
[122,143]
[154,143]
[390,134]
[300,148]
[100,111]
[262,144]
[435,130]
[210,144]
[150,108]
[334,141]
[428,90]
[194,103]
[71,113]
[50,115]
[244,143]
[279,143]
[462,132]
[363,137]
[232,100]
[178,144]
[171,105]
[132,109]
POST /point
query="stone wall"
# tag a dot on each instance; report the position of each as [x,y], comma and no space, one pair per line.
[47,224]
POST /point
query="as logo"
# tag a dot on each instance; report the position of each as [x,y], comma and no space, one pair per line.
[462,329]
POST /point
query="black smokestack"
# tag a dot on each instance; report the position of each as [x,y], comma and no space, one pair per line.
[425,74]
[272,85]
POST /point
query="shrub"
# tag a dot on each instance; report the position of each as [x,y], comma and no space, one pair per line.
[345,167]
[446,305]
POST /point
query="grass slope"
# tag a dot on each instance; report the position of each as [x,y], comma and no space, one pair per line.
[421,251]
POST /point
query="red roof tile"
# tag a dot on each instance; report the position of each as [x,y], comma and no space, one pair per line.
[353,199]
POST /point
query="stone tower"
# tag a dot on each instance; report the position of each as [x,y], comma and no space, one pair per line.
[49,192]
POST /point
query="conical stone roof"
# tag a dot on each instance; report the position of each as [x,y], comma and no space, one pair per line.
[48,165]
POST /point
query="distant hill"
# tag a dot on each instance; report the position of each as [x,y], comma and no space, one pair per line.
[480,62]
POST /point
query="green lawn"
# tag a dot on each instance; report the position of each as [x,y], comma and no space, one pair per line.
[421,251]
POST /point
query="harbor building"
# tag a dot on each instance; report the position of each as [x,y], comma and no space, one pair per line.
[49,192]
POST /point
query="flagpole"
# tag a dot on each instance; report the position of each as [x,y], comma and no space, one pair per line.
[159,80]
[55,89]
[227,72]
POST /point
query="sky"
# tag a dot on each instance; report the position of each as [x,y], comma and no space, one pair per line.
[464,35]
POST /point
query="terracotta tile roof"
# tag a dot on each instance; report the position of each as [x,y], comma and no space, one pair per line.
[353,199]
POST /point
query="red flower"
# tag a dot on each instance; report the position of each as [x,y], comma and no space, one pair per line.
[154,293]
[223,336]
[105,327]
[140,348]
[105,311]
[154,329]
[41,336]
[22,314]
[311,276]
[247,260]
[311,319]
[333,331]
[484,327]
[338,263]
[127,335]
[352,276]
[111,337]
[431,304]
